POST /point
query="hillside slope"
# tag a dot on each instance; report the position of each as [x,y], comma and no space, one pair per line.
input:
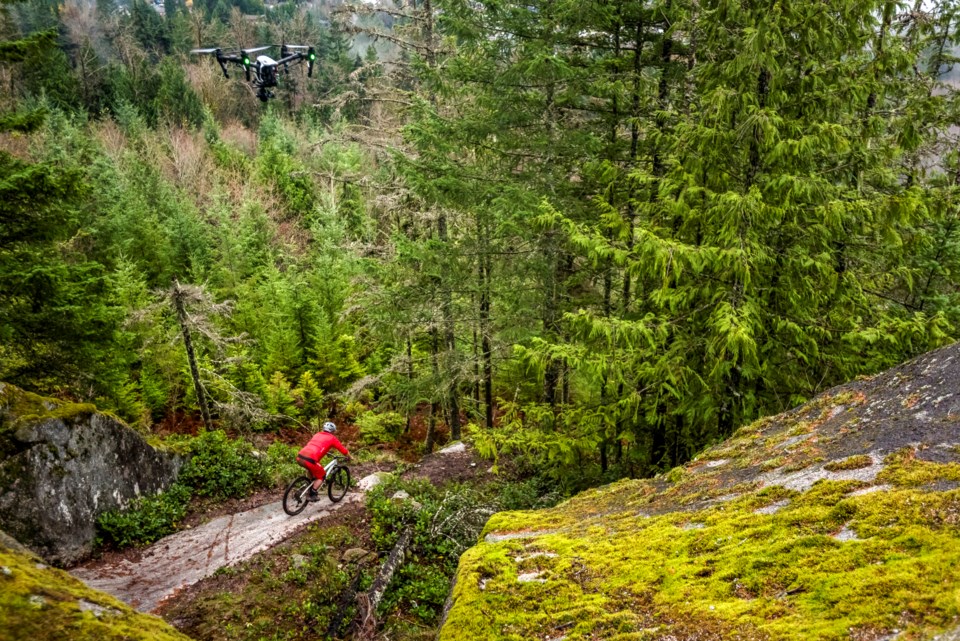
[839,519]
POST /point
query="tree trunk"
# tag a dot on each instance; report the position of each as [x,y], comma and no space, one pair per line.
[410,410]
[477,399]
[450,341]
[434,405]
[191,355]
[483,274]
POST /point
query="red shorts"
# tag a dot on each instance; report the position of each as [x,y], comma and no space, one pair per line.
[312,466]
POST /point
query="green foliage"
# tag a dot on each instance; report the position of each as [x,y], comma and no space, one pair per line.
[281,463]
[380,427]
[217,467]
[336,363]
[146,519]
[222,467]
[280,398]
[278,165]
[310,396]
[176,103]
[445,522]
[18,50]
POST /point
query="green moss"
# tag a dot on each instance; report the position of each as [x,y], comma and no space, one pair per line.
[675,475]
[903,469]
[772,464]
[850,463]
[37,602]
[738,574]
[19,407]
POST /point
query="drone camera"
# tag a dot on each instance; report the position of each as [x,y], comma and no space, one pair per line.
[266,71]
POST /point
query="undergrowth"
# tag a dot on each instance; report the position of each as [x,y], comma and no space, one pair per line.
[446,521]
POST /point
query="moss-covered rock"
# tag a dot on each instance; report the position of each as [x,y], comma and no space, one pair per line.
[837,520]
[38,602]
[62,464]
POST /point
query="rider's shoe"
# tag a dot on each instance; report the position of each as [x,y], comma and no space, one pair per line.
[313,495]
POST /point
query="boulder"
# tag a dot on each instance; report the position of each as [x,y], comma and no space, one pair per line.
[371,481]
[39,602]
[839,519]
[455,448]
[64,464]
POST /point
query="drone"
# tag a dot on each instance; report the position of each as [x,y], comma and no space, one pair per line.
[263,72]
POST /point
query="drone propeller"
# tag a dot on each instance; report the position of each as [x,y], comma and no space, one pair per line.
[293,46]
[257,49]
[211,50]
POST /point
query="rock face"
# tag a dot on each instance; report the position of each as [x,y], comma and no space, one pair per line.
[63,464]
[837,520]
[40,602]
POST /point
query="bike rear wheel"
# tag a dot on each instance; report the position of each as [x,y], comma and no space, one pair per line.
[338,484]
[295,498]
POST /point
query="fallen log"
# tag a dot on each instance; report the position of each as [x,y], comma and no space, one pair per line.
[370,600]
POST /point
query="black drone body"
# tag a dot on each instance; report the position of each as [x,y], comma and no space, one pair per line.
[264,72]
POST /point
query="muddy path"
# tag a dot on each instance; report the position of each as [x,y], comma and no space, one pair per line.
[182,559]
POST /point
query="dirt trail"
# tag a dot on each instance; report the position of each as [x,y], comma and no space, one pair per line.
[184,558]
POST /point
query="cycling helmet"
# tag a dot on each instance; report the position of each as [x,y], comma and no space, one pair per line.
[329,427]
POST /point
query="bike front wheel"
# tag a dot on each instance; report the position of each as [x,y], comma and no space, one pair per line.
[338,484]
[295,497]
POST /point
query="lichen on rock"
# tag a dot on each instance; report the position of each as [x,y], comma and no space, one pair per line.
[853,534]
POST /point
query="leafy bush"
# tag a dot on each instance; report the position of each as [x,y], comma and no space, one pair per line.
[146,519]
[383,427]
[219,467]
[529,494]
[223,468]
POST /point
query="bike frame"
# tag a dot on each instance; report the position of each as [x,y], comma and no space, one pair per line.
[330,467]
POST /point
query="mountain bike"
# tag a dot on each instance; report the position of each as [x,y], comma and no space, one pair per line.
[337,480]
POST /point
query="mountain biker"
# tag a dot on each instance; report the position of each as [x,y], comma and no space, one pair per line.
[309,457]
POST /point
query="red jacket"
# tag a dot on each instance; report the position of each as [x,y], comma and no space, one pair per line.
[320,444]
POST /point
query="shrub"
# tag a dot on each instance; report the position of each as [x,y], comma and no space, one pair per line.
[281,463]
[380,428]
[223,468]
[146,519]
[530,494]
